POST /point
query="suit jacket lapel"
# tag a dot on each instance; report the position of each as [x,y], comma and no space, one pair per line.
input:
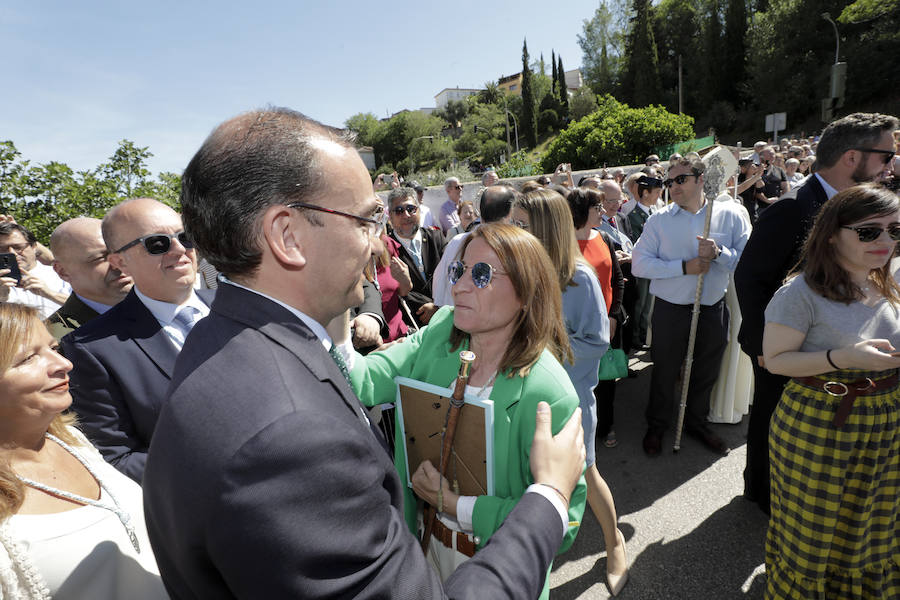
[76,312]
[147,333]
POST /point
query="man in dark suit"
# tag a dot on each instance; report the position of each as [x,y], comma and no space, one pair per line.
[123,359]
[421,249]
[852,150]
[80,259]
[265,479]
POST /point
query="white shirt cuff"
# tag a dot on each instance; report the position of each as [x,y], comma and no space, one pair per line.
[554,499]
[465,506]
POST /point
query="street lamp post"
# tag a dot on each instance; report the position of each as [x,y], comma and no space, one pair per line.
[516,125]
[412,166]
[837,37]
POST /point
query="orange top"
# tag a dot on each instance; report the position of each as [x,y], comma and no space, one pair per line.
[596,252]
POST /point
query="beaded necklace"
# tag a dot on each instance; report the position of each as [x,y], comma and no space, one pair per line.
[114,508]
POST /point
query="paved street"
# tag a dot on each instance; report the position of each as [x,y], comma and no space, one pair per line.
[690,534]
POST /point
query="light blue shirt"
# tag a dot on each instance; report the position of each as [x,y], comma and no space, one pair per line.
[670,236]
[164,313]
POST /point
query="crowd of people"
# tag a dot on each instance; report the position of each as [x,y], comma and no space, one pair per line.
[204,404]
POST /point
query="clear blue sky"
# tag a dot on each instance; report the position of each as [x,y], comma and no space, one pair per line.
[80,76]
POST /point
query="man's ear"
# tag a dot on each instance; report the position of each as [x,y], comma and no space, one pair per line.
[283,236]
[61,271]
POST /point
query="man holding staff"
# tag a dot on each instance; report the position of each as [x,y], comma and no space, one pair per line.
[672,252]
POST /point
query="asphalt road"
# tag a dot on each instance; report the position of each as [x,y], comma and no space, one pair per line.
[690,535]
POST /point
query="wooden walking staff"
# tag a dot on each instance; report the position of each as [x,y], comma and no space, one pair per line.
[720,165]
[466,358]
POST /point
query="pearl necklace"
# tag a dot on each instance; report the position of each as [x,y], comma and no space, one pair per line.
[114,508]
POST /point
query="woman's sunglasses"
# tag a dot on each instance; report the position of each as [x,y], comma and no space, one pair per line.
[872,233]
[482,273]
[158,243]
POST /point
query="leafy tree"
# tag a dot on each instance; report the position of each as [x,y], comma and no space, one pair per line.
[491,94]
[734,48]
[518,165]
[640,80]
[454,112]
[602,47]
[616,134]
[365,126]
[528,123]
[676,29]
[583,103]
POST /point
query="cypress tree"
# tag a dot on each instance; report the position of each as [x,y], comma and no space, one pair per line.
[529,122]
[640,83]
[734,47]
[553,81]
[562,89]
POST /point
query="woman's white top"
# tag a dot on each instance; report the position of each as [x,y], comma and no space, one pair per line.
[85,553]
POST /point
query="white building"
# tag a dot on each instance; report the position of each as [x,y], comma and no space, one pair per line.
[448,94]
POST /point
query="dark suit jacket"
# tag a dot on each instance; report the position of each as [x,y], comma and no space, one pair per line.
[123,362]
[70,316]
[773,249]
[432,248]
[636,219]
[264,479]
[623,224]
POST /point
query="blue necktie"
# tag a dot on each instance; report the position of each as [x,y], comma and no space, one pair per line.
[184,321]
[338,358]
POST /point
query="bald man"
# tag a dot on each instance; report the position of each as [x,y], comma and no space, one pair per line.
[123,359]
[81,260]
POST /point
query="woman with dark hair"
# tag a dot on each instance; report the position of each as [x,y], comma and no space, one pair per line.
[546,214]
[507,311]
[71,525]
[834,439]
[598,249]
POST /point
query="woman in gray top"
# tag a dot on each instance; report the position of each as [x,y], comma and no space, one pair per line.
[834,439]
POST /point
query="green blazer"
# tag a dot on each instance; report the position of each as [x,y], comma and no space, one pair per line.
[427,356]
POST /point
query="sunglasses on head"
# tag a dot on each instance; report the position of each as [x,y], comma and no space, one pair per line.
[158,243]
[679,179]
[886,155]
[409,209]
[872,233]
[482,273]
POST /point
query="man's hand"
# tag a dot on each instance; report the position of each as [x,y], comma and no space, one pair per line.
[557,461]
[7,219]
[6,284]
[696,266]
[612,327]
[400,272]
[366,331]
[39,286]
[425,485]
[707,248]
[426,311]
[623,256]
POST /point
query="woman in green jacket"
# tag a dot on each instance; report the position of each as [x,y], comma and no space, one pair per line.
[508,312]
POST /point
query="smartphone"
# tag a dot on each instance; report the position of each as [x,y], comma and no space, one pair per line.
[8,261]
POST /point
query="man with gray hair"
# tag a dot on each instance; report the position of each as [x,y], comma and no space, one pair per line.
[420,249]
[449,217]
[854,149]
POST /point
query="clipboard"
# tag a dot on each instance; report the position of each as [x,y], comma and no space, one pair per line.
[422,412]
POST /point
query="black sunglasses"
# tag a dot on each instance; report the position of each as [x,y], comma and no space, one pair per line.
[872,233]
[158,243]
[679,179]
[409,209]
[482,273]
[886,155]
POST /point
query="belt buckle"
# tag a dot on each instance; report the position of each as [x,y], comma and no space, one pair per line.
[842,388]
[869,385]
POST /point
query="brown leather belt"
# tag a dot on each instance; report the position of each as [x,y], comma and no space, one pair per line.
[464,543]
[848,392]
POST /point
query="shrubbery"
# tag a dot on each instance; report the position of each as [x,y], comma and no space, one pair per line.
[616,134]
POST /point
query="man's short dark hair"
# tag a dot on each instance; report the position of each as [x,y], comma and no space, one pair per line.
[496,202]
[857,130]
[697,167]
[402,193]
[8,228]
[247,164]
